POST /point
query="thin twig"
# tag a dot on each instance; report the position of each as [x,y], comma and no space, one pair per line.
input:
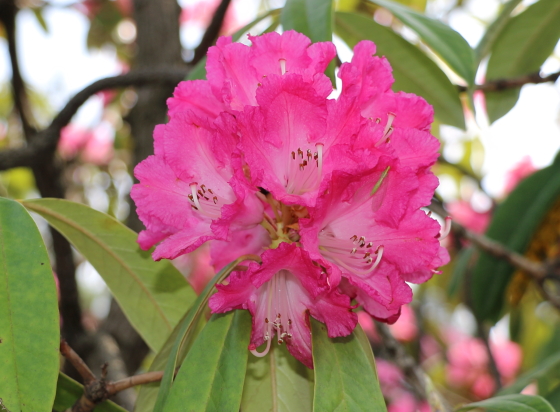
[493,366]
[537,271]
[148,377]
[46,140]
[99,390]
[421,383]
[504,84]
[212,31]
[72,357]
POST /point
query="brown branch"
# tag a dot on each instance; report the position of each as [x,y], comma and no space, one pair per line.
[504,84]
[148,377]
[45,143]
[536,270]
[539,272]
[72,357]
[212,32]
[99,390]
[420,382]
[8,11]
[492,365]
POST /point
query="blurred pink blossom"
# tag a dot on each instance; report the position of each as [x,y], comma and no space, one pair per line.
[397,397]
[462,212]
[201,12]
[95,145]
[405,329]
[196,267]
[469,364]
[520,171]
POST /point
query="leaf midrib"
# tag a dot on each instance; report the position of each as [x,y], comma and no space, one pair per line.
[89,234]
[530,43]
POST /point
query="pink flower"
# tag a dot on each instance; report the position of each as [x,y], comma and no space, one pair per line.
[463,213]
[258,160]
[469,364]
[405,328]
[279,294]
[95,145]
[523,169]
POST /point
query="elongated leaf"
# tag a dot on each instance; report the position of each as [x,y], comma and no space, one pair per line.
[345,380]
[198,72]
[414,72]
[187,328]
[277,382]
[148,393]
[68,391]
[521,48]
[211,377]
[527,205]
[494,30]
[310,17]
[442,39]
[29,320]
[511,403]
[551,363]
[153,295]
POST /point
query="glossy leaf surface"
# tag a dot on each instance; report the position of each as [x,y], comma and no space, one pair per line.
[310,17]
[153,295]
[526,41]
[527,205]
[211,376]
[277,382]
[345,379]
[186,330]
[511,403]
[29,319]
[442,39]
[414,72]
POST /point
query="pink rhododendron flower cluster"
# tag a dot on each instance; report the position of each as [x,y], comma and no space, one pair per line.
[469,364]
[258,159]
[398,398]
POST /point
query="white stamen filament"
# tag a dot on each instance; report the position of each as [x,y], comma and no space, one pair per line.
[354,255]
[264,352]
[305,169]
[201,195]
[390,118]
[193,187]
[319,147]
[278,308]
[282,66]
[446,228]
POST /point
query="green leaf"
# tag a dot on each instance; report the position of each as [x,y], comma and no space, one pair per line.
[524,44]
[310,17]
[153,295]
[277,382]
[68,391]
[551,363]
[345,380]
[442,39]
[187,327]
[211,376]
[461,266]
[414,72]
[513,224]
[494,30]
[29,319]
[511,403]
[148,393]
[198,72]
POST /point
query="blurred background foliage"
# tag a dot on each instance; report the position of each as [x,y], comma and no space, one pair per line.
[481,327]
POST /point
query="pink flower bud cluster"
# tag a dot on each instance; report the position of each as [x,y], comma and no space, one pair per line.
[258,159]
